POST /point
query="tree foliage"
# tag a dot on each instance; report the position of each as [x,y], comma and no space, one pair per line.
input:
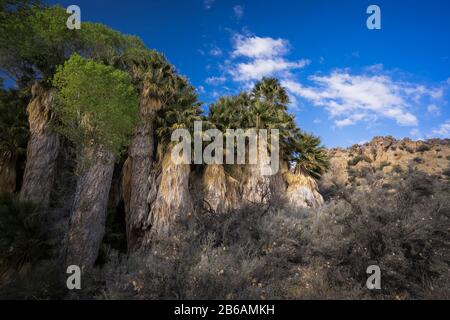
[23,233]
[34,41]
[266,107]
[96,104]
[13,121]
[182,111]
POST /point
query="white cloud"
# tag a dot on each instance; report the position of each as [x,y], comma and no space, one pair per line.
[256,57]
[256,47]
[215,80]
[238,11]
[443,131]
[433,110]
[350,99]
[437,93]
[258,68]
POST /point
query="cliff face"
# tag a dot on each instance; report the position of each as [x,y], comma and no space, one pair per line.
[387,155]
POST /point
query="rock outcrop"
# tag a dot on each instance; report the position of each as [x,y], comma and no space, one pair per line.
[387,155]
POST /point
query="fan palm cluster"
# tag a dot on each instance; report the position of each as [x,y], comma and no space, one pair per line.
[266,107]
[181,112]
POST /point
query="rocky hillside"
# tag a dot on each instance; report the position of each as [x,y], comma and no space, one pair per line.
[387,155]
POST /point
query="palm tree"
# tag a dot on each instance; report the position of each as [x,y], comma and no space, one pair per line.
[36,42]
[171,198]
[154,77]
[310,156]
[220,190]
[96,108]
[229,112]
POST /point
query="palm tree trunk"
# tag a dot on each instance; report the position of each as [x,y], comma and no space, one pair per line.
[87,223]
[172,201]
[141,158]
[42,150]
[220,190]
[302,190]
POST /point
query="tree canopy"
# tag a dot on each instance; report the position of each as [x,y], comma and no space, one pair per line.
[34,41]
[266,107]
[96,105]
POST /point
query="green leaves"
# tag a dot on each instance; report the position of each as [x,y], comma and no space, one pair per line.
[181,112]
[34,41]
[96,105]
[310,157]
[23,233]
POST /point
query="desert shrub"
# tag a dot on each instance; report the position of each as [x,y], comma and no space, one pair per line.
[387,186]
[363,172]
[410,150]
[448,158]
[373,151]
[25,249]
[245,254]
[423,148]
[46,281]
[402,232]
[271,252]
[418,160]
[358,159]
[384,164]
[351,172]
[23,233]
[446,172]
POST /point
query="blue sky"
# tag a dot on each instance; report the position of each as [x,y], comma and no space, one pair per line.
[347,83]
